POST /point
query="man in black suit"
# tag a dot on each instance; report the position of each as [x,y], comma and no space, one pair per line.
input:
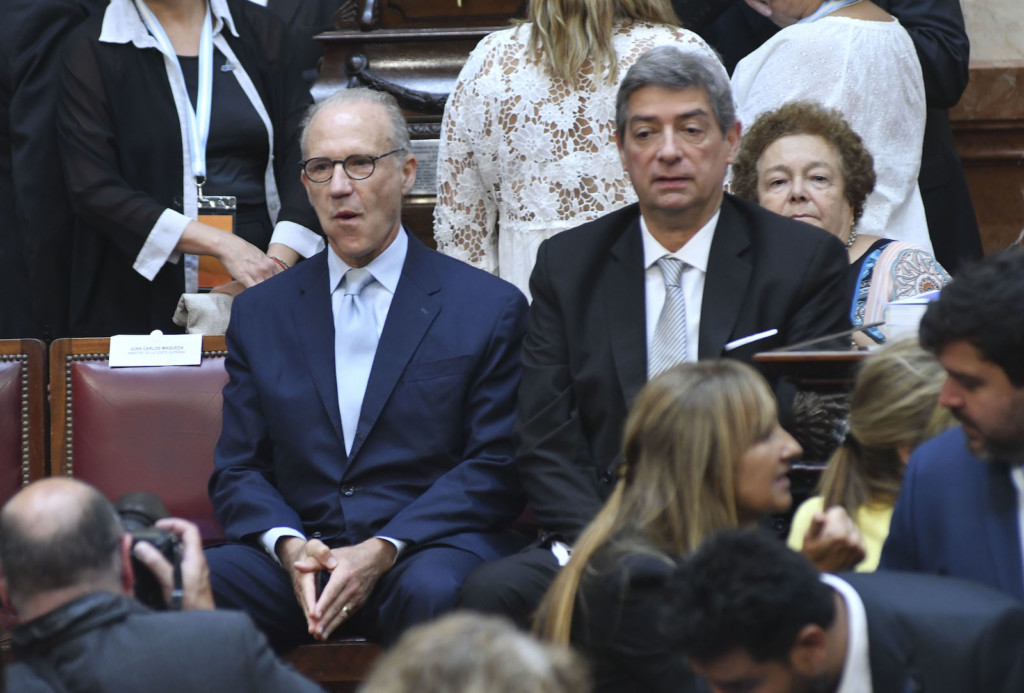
[753,616]
[940,37]
[35,241]
[595,329]
[67,572]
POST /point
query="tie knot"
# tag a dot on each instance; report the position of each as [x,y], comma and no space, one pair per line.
[671,269]
[355,280]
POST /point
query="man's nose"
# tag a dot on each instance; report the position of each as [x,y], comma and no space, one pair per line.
[340,184]
[949,395]
[670,150]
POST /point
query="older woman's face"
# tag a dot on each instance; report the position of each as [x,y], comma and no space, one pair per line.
[798,176]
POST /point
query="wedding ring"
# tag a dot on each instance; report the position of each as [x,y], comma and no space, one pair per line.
[344,609]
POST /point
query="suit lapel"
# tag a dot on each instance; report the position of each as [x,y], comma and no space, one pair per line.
[624,295]
[314,319]
[725,284]
[413,309]
[1003,529]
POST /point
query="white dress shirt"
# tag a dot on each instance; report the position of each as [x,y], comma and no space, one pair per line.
[695,255]
[856,677]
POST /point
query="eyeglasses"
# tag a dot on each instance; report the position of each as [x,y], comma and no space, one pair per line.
[320,169]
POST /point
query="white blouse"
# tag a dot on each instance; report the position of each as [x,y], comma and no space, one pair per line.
[869,71]
[529,154]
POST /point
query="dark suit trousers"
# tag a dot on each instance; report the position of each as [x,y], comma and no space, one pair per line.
[421,586]
[512,586]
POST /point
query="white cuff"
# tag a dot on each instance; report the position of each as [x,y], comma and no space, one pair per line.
[298,238]
[397,543]
[158,249]
[269,539]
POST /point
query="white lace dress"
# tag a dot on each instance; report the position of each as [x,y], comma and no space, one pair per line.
[869,71]
[528,154]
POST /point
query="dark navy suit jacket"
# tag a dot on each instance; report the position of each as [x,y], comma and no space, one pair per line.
[432,459]
[956,515]
[940,635]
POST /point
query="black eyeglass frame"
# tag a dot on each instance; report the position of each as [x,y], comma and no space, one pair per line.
[344,165]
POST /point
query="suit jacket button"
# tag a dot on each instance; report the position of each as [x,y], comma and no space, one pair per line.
[316,535]
[347,490]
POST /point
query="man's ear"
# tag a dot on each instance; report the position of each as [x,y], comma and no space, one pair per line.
[733,136]
[127,574]
[409,173]
[762,7]
[809,652]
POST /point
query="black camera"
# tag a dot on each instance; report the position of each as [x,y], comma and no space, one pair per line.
[139,513]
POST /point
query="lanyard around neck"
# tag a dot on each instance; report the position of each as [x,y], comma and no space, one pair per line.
[827,8]
[199,117]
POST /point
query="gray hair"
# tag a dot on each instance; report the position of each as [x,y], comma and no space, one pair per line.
[399,129]
[667,67]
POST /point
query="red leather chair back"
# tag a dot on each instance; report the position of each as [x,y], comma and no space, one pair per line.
[139,429]
[22,414]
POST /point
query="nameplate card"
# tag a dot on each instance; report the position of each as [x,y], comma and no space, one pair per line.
[127,350]
[425,152]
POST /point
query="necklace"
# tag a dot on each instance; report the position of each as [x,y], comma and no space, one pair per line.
[853,236]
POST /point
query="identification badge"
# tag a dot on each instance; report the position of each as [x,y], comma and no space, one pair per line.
[217,211]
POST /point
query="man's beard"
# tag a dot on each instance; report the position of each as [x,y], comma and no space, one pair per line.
[985,447]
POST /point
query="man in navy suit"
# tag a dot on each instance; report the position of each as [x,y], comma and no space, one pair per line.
[365,464]
[753,616]
[959,511]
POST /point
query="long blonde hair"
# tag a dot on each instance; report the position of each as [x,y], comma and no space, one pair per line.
[683,440]
[895,403]
[568,35]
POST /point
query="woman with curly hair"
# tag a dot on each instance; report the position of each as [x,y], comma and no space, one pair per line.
[805,162]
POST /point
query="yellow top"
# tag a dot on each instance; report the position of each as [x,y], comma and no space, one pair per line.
[872,521]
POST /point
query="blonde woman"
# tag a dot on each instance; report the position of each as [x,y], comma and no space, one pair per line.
[528,137]
[894,408]
[703,450]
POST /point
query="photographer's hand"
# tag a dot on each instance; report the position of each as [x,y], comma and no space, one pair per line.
[195,574]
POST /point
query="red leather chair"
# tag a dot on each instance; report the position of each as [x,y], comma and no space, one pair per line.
[22,414]
[22,425]
[138,429]
[155,429]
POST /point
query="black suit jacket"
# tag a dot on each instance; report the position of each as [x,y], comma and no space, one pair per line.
[585,351]
[940,37]
[940,635]
[107,642]
[35,245]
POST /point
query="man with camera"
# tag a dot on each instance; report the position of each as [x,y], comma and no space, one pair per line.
[67,571]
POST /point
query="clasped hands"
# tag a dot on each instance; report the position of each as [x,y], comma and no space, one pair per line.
[353,572]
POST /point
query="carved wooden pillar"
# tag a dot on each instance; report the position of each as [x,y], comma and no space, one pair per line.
[414,50]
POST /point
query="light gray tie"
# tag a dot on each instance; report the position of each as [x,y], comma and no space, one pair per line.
[355,343]
[669,344]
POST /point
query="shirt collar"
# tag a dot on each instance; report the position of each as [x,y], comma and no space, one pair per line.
[695,252]
[856,677]
[386,268]
[122,23]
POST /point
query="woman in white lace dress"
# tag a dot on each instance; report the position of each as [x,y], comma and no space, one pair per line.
[528,137]
[852,56]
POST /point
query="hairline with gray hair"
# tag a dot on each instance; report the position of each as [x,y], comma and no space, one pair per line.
[667,67]
[399,135]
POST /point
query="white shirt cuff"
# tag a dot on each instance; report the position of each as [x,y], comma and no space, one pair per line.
[298,238]
[269,539]
[158,249]
[398,544]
